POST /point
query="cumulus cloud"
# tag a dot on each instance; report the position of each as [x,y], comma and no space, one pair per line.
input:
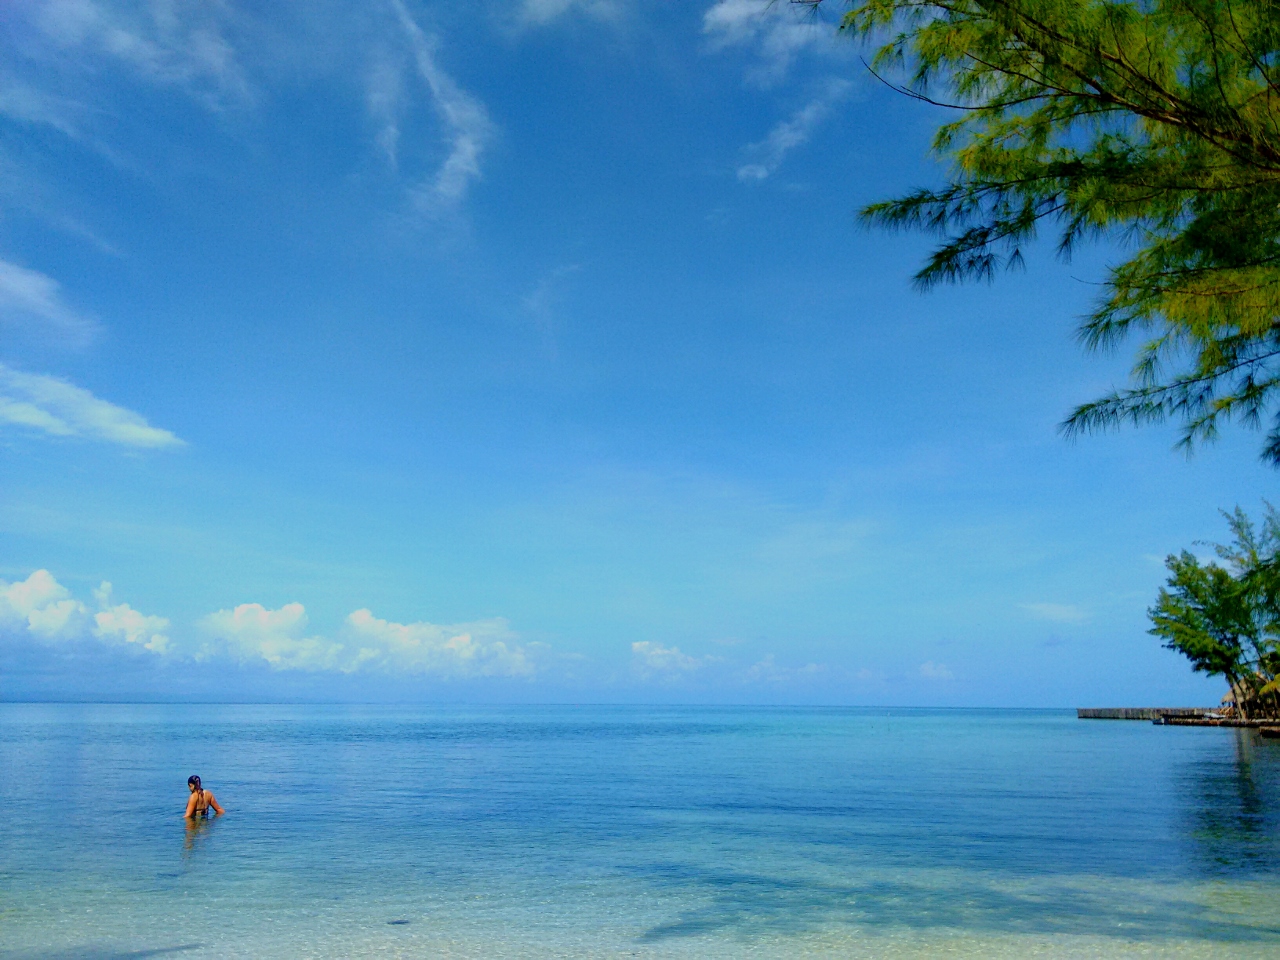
[252,632]
[43,609]
[54,406]
[482,649]
[29,299]
[1056,612]
[935,671]
[48,612]
[764,157]
[651,659]
[280,637]
[776,32]
[127,625]
[465,118]
[768,671]
[120,622]
[43,606]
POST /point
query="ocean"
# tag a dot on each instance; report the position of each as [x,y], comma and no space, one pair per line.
[612,831]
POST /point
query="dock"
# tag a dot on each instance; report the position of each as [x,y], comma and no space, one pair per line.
[1142,713]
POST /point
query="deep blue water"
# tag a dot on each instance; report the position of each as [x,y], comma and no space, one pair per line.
[603,831]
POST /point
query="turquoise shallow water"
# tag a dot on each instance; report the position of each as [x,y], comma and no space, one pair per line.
[621,831]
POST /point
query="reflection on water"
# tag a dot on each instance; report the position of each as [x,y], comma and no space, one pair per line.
[1233,798]
[195,828]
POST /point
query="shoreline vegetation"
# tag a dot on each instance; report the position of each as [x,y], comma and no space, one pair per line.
[1224,617]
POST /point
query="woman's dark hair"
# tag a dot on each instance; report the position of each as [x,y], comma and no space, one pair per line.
[194,781]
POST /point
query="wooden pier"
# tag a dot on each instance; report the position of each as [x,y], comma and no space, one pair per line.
[1142,713]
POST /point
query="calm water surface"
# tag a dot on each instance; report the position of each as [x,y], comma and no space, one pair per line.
[646,832]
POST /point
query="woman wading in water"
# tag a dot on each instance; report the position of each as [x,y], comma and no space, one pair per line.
[201,800]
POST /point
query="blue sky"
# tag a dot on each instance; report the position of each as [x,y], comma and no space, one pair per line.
[533,352]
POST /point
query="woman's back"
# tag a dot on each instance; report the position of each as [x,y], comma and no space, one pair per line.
[201,800]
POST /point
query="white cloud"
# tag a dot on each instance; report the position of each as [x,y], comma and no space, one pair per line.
[384,99]
[935,671]
[26,104]
[56,407]
[725,641]
[177,42]
[123,623]
[541,12]
[226,56]
[544,301]
[48,612]
[481,649]
[650,659]
[465,117]
[252,632]
[31,299]
[764,157]
[43,606]
[777,31]
[768,671]
[486,648]
[59,620]
[1056,612]
[44,609]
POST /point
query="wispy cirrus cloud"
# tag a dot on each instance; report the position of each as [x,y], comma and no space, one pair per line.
[544,303]
[27,104]
[31,301]
[541,12]
[58,408]
[776,32]
[168,42]
[763,158]
[468,128]
[226,57]
[384,99]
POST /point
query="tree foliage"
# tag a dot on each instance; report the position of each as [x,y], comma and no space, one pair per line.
[1156,122]
[1225,618]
